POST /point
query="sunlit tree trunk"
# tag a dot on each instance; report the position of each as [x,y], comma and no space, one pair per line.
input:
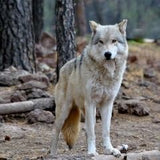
[80,18]
[37,6]
[65,33]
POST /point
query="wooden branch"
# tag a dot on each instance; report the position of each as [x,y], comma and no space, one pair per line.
[25,106]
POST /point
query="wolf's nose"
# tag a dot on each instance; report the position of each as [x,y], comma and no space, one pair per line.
[107,55]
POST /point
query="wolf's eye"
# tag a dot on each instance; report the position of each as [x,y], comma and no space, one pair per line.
[101,42]
[114,40]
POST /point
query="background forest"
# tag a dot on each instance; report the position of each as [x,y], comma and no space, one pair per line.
[143,15]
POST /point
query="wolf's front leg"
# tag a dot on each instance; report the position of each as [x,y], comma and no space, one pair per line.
[90,119]
[106,114]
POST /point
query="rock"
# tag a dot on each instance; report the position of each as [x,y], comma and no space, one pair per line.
[148,84]
[48,61]
[132,59]
[125,84]
[134,156]
[9,77]
[146,155]
[122,108]
[1,119]
[32,84]
[134,107]
[2,100]
[39,115]
[149,73]
[2,157]
[18,96]
[38,77]
[156,120]
[36,93]
[108,157]
[44,67]
[52,76]
[5,96]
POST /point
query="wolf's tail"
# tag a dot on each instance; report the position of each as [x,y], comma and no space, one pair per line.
[71,126]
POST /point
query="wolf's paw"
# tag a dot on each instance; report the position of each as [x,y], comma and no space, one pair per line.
[123,148]
[113,151]
[93,153]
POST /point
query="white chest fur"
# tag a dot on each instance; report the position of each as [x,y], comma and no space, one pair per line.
[103,86]
[100,92]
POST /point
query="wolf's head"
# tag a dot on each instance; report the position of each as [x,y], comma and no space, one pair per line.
[108,41]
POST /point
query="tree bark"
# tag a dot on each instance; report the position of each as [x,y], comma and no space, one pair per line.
[26,106]
[16,35]
[80,18]
[65,33]
[37,6]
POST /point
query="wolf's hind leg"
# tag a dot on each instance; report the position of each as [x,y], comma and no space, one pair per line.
[59,124]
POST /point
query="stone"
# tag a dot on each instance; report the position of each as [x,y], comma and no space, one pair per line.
[52,76]
[5,96]
[32,84]
[108,157]
[37,77]
[132,59]
[9,77]
[39,115]
[134,107]
[146,155]
[149,73]
[2,101]
[1,119]
[18,96]
[36,93]
[134,156]
[156,120]
[151,155]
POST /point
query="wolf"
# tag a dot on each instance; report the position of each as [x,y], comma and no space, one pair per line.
[90,81]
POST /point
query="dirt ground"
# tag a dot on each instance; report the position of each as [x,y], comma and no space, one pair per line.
[19,140]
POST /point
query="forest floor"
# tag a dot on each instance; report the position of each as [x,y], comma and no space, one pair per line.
[19,140]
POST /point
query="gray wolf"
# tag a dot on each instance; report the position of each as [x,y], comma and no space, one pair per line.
[91,80]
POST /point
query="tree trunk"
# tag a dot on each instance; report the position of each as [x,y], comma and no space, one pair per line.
[80,18]
[16,35]
[37,6]
[65,33]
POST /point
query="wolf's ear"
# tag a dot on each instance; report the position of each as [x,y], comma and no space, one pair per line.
[93,26]
[122,26]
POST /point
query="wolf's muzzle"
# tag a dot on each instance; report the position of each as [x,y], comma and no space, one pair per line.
[108,55]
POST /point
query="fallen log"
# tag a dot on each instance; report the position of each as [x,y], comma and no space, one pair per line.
[26,106]
[146,155]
